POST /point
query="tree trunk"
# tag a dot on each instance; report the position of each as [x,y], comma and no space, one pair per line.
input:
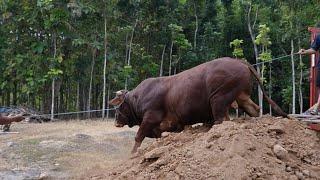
[270,87]
[8,98]
[59,101]
[170,58]
[196,30]
[252,36]
[91,80]
[15,93]
[84,99]
[108,98]
[53,79]
[78,99]
[162,59]
[293,80]
[104,67]
[300,80]
[127,49]
[130,48]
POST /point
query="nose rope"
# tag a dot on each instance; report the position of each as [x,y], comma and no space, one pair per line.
[274,59]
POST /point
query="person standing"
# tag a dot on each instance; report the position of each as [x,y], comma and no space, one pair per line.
[315,46]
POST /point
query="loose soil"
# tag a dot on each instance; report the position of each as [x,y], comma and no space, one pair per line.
[256,148]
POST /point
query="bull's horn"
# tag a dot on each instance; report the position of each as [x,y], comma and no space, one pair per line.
[119,93]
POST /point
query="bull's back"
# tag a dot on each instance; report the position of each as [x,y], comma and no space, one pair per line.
[191,90]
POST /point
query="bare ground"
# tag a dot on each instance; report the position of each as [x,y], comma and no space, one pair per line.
[63,150]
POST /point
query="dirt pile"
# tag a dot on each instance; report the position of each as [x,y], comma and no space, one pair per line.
[256,148]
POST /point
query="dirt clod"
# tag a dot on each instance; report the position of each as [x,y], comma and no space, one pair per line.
[156,153]
[279,151]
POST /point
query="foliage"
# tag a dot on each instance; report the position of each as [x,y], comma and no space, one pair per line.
[237,51]
[28,30]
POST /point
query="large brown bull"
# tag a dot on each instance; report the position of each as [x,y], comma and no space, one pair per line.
[202,94]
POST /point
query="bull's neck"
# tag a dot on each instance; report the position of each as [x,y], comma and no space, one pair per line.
[133,111]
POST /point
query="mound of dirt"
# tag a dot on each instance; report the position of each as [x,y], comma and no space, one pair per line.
[255,148]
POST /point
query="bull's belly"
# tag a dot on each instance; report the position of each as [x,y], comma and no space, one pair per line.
[198,118]
[172,123]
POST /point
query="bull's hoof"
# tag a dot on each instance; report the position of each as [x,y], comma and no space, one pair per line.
[134,155]
[217,122]
[208,125]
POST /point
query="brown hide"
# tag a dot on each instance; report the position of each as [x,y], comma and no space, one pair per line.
[202,94]
[9,119]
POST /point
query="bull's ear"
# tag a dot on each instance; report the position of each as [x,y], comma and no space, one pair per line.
[115,101]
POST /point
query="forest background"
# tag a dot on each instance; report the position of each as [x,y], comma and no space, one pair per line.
[71,55]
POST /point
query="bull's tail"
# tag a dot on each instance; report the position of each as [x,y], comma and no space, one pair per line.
[274,106]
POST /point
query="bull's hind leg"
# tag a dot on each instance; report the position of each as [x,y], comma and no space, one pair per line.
[220,105]
[248,105]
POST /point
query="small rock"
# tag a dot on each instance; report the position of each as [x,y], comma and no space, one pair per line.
[208,145]
[299,175]
[189,154]
[165,134]
[293,177]
[279,151]
[278,128]
[244,126]
[172,175]
[43,175]
[222,148]
[82,136]
[288,169]
[142,161]
[306,173]
[156,153]
[11,144]
[308,132]
[162,162]
[196,125]
[307,160]
[251,147]
[213,137]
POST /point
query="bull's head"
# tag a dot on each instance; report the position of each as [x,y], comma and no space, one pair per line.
[123,110]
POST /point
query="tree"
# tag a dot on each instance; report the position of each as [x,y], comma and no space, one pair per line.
[237,51]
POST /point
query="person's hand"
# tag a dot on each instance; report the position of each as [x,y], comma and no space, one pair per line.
[302,51]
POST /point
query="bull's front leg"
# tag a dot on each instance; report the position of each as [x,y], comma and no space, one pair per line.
[151,120]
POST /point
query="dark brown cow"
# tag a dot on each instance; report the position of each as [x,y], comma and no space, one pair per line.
[202,94]
[7,120]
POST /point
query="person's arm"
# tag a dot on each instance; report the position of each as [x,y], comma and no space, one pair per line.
[308,51]
[315,46]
